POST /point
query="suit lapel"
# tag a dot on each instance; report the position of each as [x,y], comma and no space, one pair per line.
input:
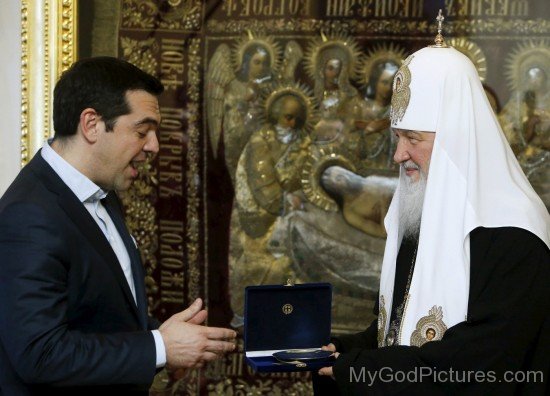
[85,223]
[112,206]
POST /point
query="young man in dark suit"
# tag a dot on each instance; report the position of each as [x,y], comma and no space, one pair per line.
[73,310]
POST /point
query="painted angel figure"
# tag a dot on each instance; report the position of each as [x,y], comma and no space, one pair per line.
[234,91]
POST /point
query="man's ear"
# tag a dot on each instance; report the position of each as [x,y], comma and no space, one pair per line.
[90,124]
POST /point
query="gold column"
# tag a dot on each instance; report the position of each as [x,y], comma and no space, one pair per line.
[48,43]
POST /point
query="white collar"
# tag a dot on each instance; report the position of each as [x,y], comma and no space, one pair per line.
[84,189]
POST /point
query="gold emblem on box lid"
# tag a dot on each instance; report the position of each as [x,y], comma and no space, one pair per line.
[287,309]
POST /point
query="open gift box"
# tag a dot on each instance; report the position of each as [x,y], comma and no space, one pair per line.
[287,319]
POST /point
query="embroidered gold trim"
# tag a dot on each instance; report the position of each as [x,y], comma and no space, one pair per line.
[382,319]
[429,328]
[401,92]
[406,302]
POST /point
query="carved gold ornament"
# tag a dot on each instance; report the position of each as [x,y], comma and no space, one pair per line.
[141,53]
[48,48]
[462,27]
[429,328]
[141,219]
[173,15]
[193,186]
[473,52]
[526,56]
[401,92]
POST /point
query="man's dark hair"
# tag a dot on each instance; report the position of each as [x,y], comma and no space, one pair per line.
[101,84]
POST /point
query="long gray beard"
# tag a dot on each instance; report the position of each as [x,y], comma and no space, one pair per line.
[411,199]
[285,135]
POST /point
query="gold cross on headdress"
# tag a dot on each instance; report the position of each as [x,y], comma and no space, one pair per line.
[440,18]
[439,40]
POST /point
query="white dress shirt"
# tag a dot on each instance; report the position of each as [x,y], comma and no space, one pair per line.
[90,195]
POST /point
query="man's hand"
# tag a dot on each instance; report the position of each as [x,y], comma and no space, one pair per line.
[328,370]
[188,344]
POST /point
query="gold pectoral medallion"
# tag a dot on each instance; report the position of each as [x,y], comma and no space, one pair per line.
[429,328]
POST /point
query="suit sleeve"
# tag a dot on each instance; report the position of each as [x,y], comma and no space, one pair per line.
[34,329]
[504,331]
[153,323]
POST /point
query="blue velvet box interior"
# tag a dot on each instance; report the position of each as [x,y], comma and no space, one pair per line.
[270,327]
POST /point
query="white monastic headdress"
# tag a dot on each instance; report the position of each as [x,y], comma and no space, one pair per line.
[474,181]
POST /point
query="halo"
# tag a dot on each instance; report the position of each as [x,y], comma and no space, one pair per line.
[340,44]
[300,91]
[315,165]
[379,53]
[524,57]
[473,52]
[266,42]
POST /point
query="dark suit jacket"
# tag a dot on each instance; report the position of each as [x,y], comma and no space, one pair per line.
[68,321]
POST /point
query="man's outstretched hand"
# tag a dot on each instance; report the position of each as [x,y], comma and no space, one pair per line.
[189,344]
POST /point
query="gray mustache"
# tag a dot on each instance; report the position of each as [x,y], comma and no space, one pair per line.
[410,165]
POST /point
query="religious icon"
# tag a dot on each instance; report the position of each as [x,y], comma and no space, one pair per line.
[525,119]
[268,176]
[370,135]
[233,92]
[337,234]
[331,63]
[473,52]
[430,334]
[429,328]
[477,56]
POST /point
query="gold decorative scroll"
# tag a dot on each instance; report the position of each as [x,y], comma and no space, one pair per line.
[48,38]
[193,172]
[510,26]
